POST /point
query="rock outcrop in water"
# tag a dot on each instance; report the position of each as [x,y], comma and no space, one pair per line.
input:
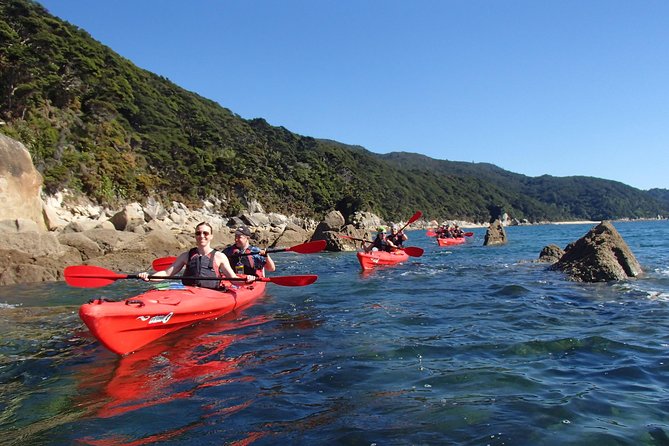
[495,235]
[600,256]
[550,254]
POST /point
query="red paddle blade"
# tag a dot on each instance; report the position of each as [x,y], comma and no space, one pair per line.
[89,276]
[291,280]
[414,251]
[415,217]
[309,248]
[468,234]
[163,263]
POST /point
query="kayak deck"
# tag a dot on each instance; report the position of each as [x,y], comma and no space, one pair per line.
[127,325]
[369,260]
[451,241]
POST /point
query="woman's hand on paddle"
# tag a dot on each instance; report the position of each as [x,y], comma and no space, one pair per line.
[145,276]
[250,278]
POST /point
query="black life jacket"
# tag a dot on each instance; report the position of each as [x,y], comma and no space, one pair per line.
[381,244]
[396,239]
[202,266]
[245,259]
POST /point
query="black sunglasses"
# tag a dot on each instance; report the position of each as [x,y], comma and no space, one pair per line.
[205,233]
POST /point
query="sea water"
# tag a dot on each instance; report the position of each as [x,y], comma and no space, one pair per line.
[466,345]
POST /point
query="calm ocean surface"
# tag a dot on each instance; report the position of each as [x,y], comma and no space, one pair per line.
[468,345]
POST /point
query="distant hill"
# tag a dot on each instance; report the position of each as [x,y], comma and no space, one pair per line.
[97,124]
[575,195]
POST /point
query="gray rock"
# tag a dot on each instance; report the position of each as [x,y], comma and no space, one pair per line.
[34,244]
[550,254]
[292,235]
[495,235]
[87,247]
[20,184]
[365,220]
[129,218]
[329,229]
[17,225]
[154,210]
[600,256]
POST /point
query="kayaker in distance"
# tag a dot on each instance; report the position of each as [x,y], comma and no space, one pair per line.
[252,259]
[203,260]
[397,237]
[381,242]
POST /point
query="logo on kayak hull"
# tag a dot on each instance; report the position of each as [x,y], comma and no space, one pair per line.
[162,318]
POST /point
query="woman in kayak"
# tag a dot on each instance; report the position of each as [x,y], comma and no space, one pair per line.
[248,259]
[201,261]
[381,242]
[397,237]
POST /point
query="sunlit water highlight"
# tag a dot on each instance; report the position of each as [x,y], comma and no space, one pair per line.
[467,345]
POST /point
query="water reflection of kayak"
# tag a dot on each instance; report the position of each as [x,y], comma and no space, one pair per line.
[144,378]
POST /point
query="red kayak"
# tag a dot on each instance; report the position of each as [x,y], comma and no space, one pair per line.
[369,260]
[448,241]
[128,325]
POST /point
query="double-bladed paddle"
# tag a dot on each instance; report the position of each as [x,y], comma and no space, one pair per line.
[413,251]
[413,218]
[163,263]
[90,276]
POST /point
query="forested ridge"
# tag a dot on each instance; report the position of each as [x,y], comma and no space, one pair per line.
[99,125]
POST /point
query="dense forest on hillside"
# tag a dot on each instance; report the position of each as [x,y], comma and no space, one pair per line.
[97,124]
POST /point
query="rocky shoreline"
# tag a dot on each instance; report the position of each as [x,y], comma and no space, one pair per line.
[41,235]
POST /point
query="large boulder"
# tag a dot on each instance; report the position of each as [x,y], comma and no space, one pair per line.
[348,244]
[87,247]
[365,220]
[495,235]
[292,235]
[600,256]
[329,230]
[130,217]
[20,184]
[22,267]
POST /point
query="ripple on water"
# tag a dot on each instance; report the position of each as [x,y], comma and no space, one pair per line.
[511,291]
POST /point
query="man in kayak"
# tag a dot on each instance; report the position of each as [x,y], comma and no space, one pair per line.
[201,261]
[248,259]
[381,242]
[397,237]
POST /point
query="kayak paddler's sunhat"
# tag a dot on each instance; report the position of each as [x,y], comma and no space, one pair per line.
[381,229]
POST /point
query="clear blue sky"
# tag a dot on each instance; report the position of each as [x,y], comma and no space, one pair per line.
[558,87]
